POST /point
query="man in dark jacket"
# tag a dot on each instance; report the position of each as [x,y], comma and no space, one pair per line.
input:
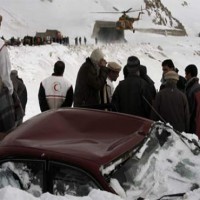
[193,96]
[132,95]
[90,80]
[144,75]
[19,87]
[168,65]
[171,105]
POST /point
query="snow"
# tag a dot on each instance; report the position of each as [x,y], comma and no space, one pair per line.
[35,63]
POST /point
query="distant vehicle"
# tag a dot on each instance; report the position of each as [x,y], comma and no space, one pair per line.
[71,151]
[125,22]
[28,40]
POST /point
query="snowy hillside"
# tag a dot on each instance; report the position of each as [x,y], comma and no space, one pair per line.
[75,18]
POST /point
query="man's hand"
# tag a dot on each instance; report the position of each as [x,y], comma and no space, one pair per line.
[102,63]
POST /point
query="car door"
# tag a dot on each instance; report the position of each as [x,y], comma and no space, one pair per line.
[39,176]
[67,179]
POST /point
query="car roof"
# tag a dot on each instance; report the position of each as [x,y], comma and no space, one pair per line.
[79,134]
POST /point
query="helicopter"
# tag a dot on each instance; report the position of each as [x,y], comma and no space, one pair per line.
[125,22]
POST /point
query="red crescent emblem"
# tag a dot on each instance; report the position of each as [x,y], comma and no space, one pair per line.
[56,86]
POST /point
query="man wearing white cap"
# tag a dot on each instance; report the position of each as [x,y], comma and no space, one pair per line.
[113,73]
[5,65]
[90,80]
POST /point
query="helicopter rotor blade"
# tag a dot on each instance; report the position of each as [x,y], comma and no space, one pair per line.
[128,10]
[124,12]
[139,10]
[107,12]
[115,8]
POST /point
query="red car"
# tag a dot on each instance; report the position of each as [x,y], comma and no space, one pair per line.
[70,151]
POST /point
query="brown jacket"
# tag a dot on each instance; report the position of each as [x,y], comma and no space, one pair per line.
[171,104]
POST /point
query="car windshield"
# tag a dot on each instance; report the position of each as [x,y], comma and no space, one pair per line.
[138,169]
[125,172]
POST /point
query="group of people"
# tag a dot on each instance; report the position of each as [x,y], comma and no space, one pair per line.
[78,40]
[13,93]
[177,102]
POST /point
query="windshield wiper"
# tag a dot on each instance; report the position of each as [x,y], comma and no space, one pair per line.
[172,195]
[165,196]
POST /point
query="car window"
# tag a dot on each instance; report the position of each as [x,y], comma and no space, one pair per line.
[70,180]
[23,174]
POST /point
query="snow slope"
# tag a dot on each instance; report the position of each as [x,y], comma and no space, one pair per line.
[74,18]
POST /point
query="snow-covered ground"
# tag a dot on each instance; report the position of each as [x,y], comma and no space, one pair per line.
[36,63]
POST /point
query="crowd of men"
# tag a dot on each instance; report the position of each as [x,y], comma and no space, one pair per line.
[177,102]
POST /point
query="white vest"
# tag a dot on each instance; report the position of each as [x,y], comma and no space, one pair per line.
[56,88]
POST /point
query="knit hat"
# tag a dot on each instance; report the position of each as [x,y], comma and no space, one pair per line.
[114,66]
[133,63]
[14,72]
[171,75]
[97,55]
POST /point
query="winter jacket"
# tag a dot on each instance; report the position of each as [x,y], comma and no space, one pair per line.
[20,89]
[144,75]
[55,92]
[172,106]
[181,83]
[193,96]
[90,80]
[19,111]
[133,96]
[5,66]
